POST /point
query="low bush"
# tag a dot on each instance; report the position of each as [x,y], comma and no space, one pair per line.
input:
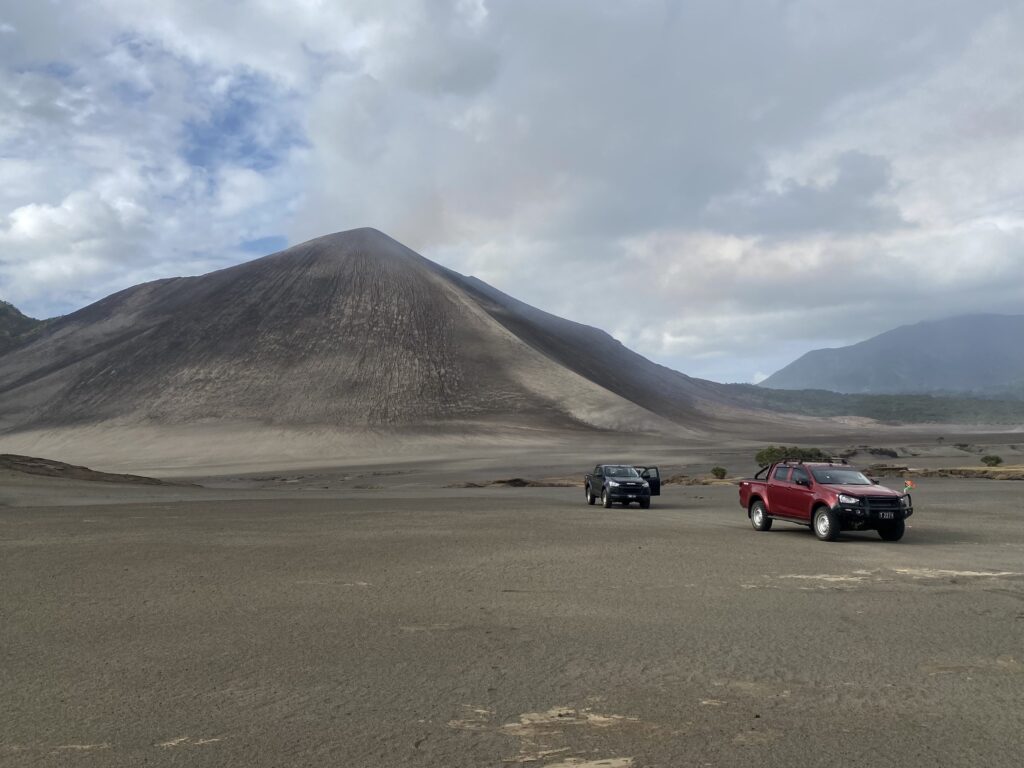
[719,472]
[774,453]
[991,461]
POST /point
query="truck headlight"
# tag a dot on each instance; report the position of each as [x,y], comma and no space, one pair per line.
[646,484]
[905,501]
[849,500]
[612,484]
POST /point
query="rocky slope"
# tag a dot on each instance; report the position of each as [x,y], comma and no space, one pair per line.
[348,330]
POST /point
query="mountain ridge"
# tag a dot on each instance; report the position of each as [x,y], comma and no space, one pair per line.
[966,355]
[347,330]
[352,342]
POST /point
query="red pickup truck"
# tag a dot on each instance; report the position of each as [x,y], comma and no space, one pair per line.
[827,496]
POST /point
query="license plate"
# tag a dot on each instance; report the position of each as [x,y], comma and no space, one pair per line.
[885,515]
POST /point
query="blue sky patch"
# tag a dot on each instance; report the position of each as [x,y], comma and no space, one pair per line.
[60,70]
[265,245]
[244,127]
[131,93]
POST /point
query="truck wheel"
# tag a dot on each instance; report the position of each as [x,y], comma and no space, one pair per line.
[606,500]
[892,531]
[590,496]
[645,504]
[759,517]
[826,525]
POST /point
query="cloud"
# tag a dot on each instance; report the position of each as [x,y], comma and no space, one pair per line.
[129,162]
[243,120]
[765,177]
[857,199]
[240,190]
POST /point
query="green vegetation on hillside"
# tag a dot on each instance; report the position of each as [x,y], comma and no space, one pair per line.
[14,326]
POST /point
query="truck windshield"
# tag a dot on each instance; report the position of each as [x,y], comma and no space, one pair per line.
[620,472]
[832,476]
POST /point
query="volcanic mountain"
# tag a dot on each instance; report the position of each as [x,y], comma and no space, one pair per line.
[351,330]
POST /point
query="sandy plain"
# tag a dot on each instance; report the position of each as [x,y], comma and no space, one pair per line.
[370,615]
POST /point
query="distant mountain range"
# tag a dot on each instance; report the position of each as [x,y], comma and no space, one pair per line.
[354,332]
[971,355]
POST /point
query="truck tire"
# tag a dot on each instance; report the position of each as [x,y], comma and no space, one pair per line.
[590,496]
[892,531]
[606,500]
[825,524]
[645,504]
[759,516]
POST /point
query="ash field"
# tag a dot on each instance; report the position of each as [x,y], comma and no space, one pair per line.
[294,543]
[374,616]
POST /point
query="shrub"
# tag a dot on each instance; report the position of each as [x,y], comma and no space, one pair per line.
[775,453]
[719,472]
[991,461]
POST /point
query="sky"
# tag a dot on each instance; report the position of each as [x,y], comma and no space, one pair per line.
[722,185]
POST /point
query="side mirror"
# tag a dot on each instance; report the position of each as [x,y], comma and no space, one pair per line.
[804,483]
[875,482]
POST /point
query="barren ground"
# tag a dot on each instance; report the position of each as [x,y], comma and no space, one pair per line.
[358,619]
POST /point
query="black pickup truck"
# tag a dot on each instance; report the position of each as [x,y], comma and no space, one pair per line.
[622,484]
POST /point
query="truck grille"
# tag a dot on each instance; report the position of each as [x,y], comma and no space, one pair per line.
[881,503]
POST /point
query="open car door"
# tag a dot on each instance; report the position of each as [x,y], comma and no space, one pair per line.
[653,478]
